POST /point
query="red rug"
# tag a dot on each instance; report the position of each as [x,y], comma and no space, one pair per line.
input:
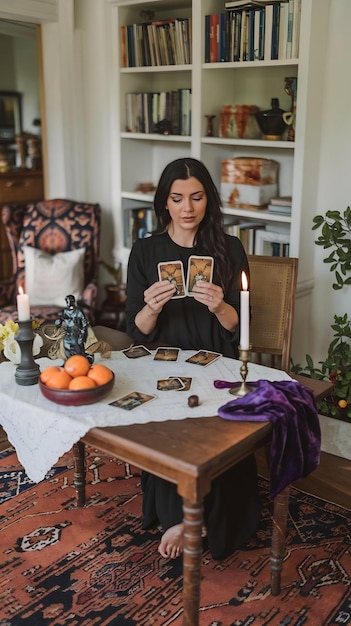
[96,567]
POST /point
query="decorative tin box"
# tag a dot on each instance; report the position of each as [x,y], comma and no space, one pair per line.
[249,182]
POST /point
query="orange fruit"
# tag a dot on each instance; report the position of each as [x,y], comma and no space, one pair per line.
[342,404]
[77,365]
[81,382]
[100,373]
[55,377]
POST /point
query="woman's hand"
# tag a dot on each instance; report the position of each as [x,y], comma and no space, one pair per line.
[212,296]
[156,296]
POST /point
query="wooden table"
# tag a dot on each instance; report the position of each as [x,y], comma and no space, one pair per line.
[191,453]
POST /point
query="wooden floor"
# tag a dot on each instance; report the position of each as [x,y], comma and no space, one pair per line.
[330,481]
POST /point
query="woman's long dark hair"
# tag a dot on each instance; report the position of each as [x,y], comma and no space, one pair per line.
[210,238]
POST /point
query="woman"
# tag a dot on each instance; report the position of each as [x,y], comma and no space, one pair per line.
[189,222]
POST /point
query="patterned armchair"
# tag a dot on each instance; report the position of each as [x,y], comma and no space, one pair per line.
[53,227]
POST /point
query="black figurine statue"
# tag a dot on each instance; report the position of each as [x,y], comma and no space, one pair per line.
[75,326]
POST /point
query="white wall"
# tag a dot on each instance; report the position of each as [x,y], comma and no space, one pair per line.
[335,171]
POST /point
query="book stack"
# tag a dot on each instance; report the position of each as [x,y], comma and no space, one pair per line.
[281,205]
[252,30]
[146,112]
[272,243]
[245,231]
[163,42]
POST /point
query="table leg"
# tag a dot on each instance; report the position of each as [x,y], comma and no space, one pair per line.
[192,552]
[280,516]
[79,472]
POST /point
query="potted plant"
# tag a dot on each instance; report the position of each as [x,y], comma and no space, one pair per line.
[116,291]
[336,238]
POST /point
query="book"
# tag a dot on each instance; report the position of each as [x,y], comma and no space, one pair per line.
[222,43]
[282,200]
[268,31]
[280,204]
[244,36]
[280,208]
[214,38]
[296,29]
[275,31]
[256,34]
[283,30]
[207,38]
[288,54]
[251,36]
[249,4]
[124,50]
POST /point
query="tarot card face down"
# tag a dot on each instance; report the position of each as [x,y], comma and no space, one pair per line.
[135,352]
[173,271]
[170,384]
[166,354]
[199,268]
[203,357]
[132,400]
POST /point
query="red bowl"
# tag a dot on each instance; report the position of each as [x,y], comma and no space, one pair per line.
[76,397]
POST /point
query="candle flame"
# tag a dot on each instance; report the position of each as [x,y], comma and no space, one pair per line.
[244,281]
[20,291]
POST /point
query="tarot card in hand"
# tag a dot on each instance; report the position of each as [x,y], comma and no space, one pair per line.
[170,384]
[135,352]
[199,268]
[132,400]
[166,354]
[203,357]
[173,271]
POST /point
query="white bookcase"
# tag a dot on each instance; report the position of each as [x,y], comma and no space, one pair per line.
[141,157]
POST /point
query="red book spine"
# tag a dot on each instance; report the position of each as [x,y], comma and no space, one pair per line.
[214,37]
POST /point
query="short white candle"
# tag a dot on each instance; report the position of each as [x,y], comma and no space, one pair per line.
[23,306]
[244,313]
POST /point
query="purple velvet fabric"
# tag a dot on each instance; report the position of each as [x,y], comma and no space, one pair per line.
[296,439]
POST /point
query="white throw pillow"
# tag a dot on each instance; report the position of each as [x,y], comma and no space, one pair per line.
[50,278]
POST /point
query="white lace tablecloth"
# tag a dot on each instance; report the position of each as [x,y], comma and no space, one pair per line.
[42,431]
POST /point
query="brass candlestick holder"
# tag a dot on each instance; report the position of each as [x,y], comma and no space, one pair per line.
[27,372]
[241,391]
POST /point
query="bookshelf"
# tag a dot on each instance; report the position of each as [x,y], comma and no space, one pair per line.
[140,157]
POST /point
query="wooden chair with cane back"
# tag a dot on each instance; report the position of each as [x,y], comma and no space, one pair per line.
[272,298]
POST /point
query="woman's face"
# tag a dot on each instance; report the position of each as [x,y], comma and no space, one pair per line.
[186,203]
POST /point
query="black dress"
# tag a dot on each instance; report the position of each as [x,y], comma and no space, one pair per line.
[232,508]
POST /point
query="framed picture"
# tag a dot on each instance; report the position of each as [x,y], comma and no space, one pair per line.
[10,116]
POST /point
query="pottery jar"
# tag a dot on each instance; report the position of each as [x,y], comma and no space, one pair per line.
[239,121]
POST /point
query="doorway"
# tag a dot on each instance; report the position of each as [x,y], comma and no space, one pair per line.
[21,87]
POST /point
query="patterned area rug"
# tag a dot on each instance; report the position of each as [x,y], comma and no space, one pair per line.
[96,567]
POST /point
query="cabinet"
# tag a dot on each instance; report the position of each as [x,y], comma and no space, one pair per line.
[141,157]
[16,186]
